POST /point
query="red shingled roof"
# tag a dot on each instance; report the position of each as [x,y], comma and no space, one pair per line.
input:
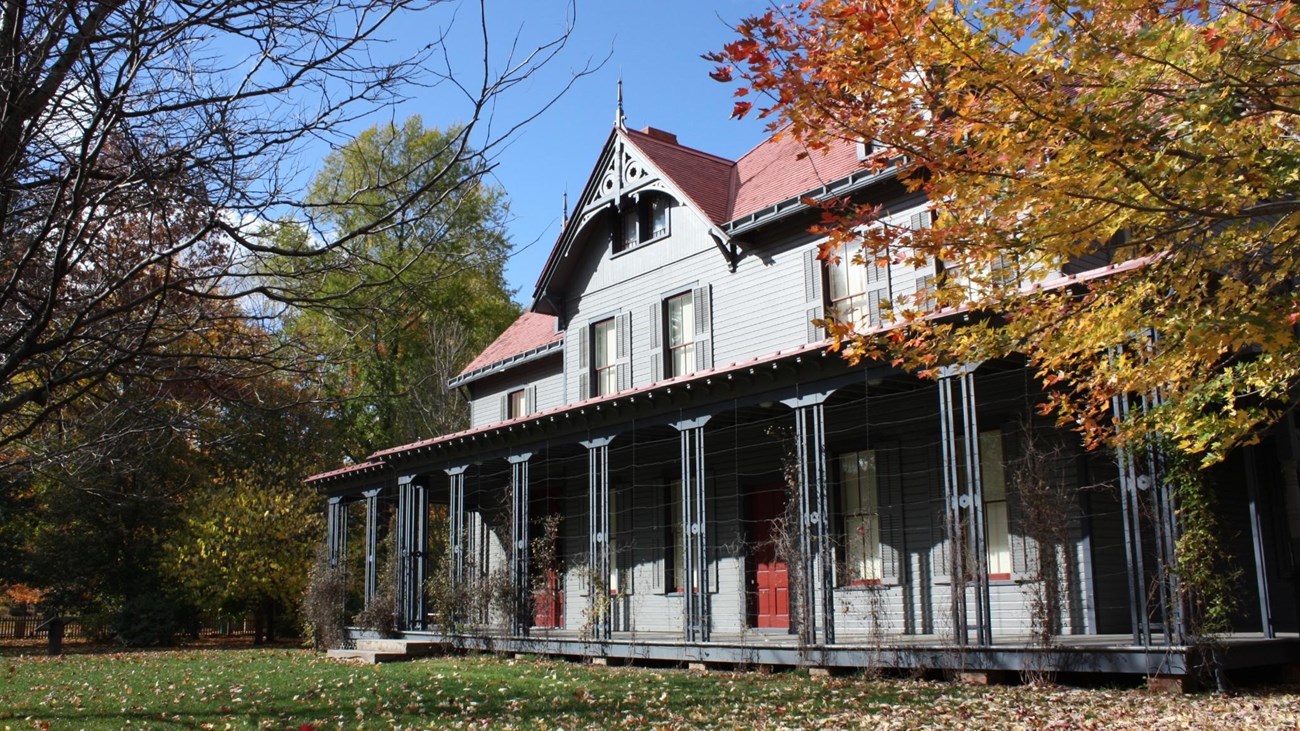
[704,178]
[773,172]
[531,330]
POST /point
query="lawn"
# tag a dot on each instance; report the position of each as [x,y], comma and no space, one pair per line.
[294,689]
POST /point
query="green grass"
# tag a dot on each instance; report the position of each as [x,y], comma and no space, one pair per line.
[297,691]
[292,689]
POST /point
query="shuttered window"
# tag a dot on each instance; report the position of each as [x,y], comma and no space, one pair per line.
[604,357]
[680,334]
[517,404]
[858,291]
[993,489]
[860,503]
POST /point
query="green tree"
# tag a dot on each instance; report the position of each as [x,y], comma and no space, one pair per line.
[246,535]
[1157,137]
[387,351]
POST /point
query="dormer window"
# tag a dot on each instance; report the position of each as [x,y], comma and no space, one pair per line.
[643,219]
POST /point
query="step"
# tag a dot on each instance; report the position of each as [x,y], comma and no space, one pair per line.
[369,657]
[380,645]
[410,647]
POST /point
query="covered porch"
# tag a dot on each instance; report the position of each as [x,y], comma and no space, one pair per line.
[796,511]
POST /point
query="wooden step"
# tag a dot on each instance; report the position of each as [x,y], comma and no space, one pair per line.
[410,647]
[369,657]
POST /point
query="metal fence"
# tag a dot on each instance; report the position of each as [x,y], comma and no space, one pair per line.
[25,628]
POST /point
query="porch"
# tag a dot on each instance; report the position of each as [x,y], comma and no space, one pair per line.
[800,512]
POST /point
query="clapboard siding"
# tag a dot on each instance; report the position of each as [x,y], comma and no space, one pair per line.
[546,378]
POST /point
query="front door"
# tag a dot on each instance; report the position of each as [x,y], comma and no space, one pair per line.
[769,576]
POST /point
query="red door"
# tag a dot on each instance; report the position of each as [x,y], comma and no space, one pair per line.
[548,603]
[771,577]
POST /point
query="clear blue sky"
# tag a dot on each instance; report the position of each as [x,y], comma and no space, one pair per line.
[654,46]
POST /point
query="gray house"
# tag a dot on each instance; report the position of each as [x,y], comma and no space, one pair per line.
[664,463]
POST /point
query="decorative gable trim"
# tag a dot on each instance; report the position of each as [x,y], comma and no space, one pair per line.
[624,170]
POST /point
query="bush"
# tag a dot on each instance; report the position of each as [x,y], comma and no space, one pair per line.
[322,603]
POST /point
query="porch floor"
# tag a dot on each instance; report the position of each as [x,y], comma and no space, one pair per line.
[1113,653]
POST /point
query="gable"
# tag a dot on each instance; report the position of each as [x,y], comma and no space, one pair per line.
[634,164]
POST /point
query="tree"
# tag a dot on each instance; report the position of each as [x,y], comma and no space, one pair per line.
[144,144]
[389,351]
[1157,137]
[245,538]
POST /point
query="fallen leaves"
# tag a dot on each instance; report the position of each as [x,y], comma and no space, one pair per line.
[298,690]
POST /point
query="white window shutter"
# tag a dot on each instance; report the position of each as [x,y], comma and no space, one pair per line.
[815,308]
[584,371]
[703,327]
[874,299]
[940,540]
[623,350]
[654,336]
[505,407]
[889,501]
[531,405]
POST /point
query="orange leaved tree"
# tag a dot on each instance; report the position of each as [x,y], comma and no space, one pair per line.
[1155,141]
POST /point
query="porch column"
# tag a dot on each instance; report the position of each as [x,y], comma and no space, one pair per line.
[372,542]
[1166,534]
[1130,514]
[456,528]
[336,531]
[964,500]
[412,532]
[1144,491]
[598,558]
[520,622]
[695,544]
[1257,542]
[816,591]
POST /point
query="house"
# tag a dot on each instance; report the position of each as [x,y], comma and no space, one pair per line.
[663,462]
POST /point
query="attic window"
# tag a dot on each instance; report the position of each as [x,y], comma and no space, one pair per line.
[642,220]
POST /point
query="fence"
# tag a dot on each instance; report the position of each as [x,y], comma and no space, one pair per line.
[24,628]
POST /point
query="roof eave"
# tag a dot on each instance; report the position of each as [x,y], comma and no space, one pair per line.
[852,183]
[505,364]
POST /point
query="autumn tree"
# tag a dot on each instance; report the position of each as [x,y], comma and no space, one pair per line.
[387,351]
[244,539]
[144,144]
[1151,143]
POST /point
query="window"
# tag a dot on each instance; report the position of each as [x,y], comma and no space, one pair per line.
[644,219]
[993,484]
[680,335]
[604,348]
[858,291]
[860,506]
[993,488]
[516,404]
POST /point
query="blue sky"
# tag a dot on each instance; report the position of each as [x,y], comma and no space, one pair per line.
[654,46]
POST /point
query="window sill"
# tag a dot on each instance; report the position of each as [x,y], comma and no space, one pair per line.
[639,245]
[867,586]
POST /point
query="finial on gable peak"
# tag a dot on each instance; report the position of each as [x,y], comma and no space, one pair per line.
[620,119]
[565,219]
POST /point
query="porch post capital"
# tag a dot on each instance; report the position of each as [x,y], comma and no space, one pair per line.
[959,369]
[695,423]
[807,399]
[597,442]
